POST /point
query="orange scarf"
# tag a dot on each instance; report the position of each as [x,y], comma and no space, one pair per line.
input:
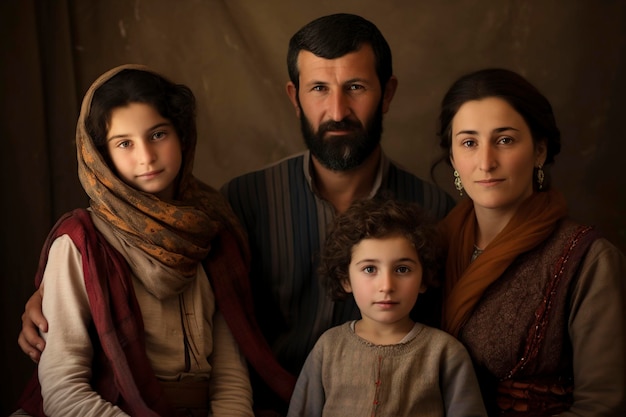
[177,233]
[466,281]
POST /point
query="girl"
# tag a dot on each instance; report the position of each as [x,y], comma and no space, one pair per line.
[133,325]
[538,300]
[384,253]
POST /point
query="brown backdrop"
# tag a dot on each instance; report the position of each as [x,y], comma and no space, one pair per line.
[232,54]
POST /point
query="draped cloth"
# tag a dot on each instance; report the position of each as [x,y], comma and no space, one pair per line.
[466,281]
[178,233]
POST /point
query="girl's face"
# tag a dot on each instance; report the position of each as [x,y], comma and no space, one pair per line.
[494,153]
[385,279]
[145,149]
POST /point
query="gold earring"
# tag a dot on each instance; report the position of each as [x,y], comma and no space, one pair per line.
[457,182]
[540,176]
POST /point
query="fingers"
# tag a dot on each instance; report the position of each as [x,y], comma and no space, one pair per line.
[33,314]
[32,346]
[33,321]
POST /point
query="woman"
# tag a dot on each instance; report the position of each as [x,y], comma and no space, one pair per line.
[537,299]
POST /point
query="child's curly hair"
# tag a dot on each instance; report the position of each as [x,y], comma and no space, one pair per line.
[377,219]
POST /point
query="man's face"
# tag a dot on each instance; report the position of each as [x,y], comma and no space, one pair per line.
[340,105]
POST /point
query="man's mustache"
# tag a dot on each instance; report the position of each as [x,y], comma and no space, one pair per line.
[345,124]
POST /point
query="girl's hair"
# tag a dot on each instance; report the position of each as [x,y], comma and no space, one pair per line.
[379,219]
[174,102]
[511,87]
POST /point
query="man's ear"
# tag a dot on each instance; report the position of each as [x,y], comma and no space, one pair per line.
[292,93]
[390,91]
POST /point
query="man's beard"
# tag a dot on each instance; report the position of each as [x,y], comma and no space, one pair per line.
[344,152]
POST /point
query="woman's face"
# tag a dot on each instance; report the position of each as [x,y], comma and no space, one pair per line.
[145,149]
[493,150]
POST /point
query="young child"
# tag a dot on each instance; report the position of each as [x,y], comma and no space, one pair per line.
[133,324]
[384,253]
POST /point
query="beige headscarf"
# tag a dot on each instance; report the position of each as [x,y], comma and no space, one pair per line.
[177,233]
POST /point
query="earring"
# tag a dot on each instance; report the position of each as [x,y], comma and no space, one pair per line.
[457,182]
[540,176]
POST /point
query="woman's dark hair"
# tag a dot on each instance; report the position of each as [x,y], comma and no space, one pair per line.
[507,85]
[174,102]
[336,35]
[378,219]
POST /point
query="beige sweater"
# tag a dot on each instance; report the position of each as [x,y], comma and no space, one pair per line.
[64,369]
[428,374]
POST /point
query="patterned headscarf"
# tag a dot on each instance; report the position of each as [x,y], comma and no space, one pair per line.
[177,233]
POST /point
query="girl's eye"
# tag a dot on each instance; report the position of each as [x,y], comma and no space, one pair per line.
[124,144]
[403,269]
[158,135]
[505,140]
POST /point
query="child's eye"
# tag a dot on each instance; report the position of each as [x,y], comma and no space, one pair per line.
[403,269]
[369,269]
[158,135]
[124,144]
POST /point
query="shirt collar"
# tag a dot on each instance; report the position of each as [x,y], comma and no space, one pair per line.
[383,168]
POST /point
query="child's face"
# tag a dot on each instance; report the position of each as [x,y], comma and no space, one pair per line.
[145,149]
[385,279]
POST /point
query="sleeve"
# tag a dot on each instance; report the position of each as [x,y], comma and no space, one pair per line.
[65,365]
[230,391]
[308,395]
[597,329]
[459,385]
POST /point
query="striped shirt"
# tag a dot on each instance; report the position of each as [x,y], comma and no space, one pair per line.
[286,222]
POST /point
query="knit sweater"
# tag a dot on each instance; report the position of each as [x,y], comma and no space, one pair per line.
[428,373]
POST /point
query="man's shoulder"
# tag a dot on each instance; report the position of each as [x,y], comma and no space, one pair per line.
[405,185]
[285,163]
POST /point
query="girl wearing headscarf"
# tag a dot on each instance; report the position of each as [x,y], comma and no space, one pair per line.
[131,283]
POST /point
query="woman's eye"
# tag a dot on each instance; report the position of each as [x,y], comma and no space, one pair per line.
[505,140]
[124,144]
[468,143]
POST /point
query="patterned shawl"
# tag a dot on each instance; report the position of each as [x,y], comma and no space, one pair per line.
[465,283]
[178,233]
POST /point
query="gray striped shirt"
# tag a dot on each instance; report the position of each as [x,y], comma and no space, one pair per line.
[287,222]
